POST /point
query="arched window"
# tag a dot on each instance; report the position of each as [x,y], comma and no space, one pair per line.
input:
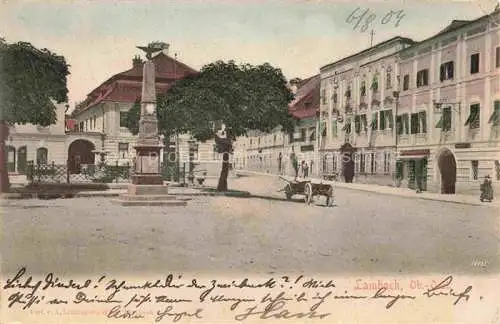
[42,155]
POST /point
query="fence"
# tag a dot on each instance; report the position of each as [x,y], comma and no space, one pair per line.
[60,173]
[91,173]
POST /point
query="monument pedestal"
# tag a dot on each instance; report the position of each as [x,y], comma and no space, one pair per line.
[149,195]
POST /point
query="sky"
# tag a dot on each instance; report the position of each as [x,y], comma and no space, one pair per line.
[99,38]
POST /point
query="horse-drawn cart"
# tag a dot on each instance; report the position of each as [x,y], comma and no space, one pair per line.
[309,189]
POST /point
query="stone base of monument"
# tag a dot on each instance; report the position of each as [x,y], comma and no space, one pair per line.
[149,195]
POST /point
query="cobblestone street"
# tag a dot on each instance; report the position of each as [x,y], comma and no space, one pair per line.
[364,233]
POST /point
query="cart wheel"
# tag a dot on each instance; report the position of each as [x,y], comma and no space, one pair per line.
[308,192]
[288,192]
[329,197]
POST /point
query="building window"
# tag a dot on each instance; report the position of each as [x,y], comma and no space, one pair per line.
[323,96]
[382,120]
[362,163]
[373,163]
[445,121]
[357,124]
[364,123]
[495,117]
[422,78]
[497,169]
[423,121]
[474,63]
[387,162]
[81,127]
[334,129]
[388,80]
[123,119]
[42,155]
[406,124]
[312,136]
[402,124]
[363,88]
[475,169]
[473,119]
[414,123]
[406,82]
[497,57]
[375,121]
[347,127]
[86,125]
[95,121]
[123,150]
[335,97]
[446,71]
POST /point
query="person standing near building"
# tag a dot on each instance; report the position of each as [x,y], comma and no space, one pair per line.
[279,162]
[306,170]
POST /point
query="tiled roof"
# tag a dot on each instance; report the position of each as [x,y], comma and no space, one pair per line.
[127,86]
[307,98]
[302,114]
[304,89]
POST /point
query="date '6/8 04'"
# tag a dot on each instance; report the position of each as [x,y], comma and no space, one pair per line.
[366,18]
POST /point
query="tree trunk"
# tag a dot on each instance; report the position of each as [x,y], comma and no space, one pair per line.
[222,186]
[4,172]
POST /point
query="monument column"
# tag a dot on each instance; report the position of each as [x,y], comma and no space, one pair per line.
[148,148]
[147,187]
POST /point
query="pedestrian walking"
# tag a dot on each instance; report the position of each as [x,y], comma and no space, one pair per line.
[486,189]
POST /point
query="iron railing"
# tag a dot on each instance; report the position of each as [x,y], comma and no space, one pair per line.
[60,173]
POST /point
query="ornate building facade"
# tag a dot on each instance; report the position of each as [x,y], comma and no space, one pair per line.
[420,115]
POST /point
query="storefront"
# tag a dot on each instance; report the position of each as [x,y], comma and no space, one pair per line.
[411,168]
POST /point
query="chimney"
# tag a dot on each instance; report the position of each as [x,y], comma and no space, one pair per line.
[136,61]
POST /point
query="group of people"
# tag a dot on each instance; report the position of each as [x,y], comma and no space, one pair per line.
[304,168]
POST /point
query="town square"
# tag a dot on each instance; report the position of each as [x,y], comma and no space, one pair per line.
[326,140]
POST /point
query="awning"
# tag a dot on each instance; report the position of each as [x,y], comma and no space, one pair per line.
[440,123]
[472,116]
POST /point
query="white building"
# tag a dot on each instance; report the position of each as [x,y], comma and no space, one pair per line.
[34,143]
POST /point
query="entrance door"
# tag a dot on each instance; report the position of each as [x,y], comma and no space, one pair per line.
[448,170]
[22,159]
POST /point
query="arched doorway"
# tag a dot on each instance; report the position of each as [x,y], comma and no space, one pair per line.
[22,159]
[448,171]
[80,152]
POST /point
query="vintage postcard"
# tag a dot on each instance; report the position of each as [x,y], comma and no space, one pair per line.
[224,161]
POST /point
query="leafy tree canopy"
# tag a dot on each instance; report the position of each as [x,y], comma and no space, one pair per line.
[242,97]
[30,78]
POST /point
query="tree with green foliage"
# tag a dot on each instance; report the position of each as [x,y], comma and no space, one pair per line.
[30,80]
[240,97]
